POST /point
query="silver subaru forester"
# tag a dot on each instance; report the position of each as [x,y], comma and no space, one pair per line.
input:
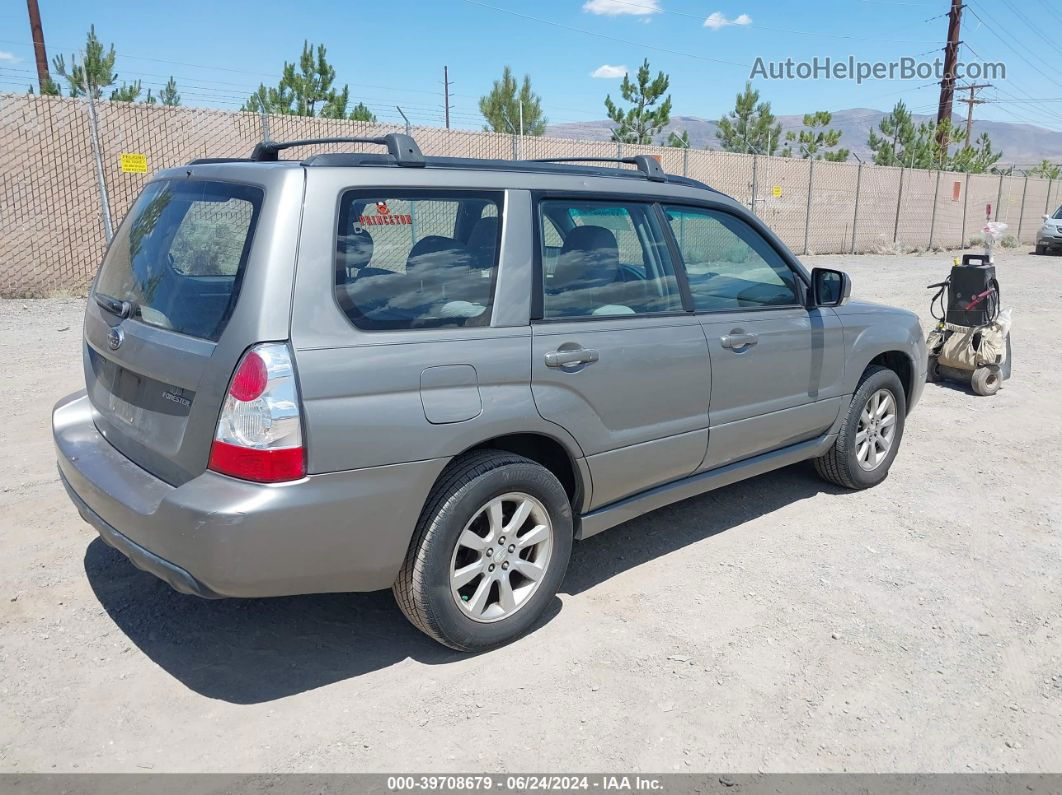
[363,371]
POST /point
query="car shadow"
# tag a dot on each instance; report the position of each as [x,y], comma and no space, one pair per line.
[248,651]
[954,385]
[671,528]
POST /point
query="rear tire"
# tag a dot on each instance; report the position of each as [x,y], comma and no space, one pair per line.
[986,381]
[477,575]
[870,435]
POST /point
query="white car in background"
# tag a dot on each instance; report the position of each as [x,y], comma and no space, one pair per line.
[1049,238]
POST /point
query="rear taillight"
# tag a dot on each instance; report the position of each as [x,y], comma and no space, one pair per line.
[259,435]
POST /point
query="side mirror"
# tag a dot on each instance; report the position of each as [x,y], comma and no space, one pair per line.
[829,288]
[1047,217]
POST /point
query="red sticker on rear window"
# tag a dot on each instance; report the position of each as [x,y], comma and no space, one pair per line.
[384,217]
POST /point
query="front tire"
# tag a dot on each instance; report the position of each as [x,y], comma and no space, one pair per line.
[870,435]
[489,552]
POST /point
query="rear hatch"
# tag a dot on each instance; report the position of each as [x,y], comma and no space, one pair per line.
[165,325]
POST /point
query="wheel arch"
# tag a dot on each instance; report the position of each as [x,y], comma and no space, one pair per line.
[900,363]
[552,454]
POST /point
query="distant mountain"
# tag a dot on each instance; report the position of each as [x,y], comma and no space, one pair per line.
[1021,143]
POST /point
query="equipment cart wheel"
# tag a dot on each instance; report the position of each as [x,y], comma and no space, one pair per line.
[933,371]
[986,380]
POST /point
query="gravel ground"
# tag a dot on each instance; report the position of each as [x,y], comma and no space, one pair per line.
[776,625]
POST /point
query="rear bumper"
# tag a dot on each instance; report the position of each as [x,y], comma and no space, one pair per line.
[217,536]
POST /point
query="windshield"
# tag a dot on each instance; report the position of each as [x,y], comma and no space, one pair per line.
[1058,214]
[178,259]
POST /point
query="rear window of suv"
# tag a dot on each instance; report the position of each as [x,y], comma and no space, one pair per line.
[180,256]
[417,259]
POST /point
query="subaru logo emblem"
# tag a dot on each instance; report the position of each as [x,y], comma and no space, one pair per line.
[115,337]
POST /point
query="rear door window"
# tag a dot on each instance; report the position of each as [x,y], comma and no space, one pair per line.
[417,259]
[602,258]
[179,258]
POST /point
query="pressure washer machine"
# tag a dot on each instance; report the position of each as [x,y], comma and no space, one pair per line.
[971,341]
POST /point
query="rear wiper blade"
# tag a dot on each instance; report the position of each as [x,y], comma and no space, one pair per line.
[122,309]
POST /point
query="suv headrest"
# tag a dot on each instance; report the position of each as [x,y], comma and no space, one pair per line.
[355,250]
[482,242]
[436,253]
[589,257]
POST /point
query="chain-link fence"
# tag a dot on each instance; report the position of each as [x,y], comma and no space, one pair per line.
[52,219]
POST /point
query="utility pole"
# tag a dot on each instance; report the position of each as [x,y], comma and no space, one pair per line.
[970,104]
[44,80]
[446,94]
[947,84]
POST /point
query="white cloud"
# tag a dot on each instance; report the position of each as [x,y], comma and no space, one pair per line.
[10,57]
[718,20]
[609,72]
[615,8]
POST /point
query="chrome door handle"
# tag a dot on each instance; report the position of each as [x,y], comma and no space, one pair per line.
[737,341]
[567,358]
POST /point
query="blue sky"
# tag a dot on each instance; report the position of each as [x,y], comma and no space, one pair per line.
[393,53]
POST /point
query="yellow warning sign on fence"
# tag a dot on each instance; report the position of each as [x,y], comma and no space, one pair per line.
[776,191]
[134,163]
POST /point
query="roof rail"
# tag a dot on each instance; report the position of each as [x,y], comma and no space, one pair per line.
[401,147]
[647,164]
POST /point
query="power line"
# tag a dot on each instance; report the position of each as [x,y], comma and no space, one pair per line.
[992,28]
[1020,15]
[1029,99]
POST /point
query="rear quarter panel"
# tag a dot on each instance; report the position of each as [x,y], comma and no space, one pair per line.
[374,398]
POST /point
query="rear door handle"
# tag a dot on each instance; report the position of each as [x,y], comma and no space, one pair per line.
[570,357]
[738,341]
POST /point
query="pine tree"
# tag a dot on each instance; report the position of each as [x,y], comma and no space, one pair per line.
[95,72]
[361,112]
[902,142]
[897,135]
[130,92]
[1046,170]
[169,95]
[816,140]
[976,158]
[501,107]
[679,141]
[304,89]
[645,120]
[750,127]
[336,105]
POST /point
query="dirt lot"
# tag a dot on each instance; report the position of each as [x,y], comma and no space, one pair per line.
[776,625]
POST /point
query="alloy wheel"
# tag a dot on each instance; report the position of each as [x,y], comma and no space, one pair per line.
[501,557]
[877,430]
